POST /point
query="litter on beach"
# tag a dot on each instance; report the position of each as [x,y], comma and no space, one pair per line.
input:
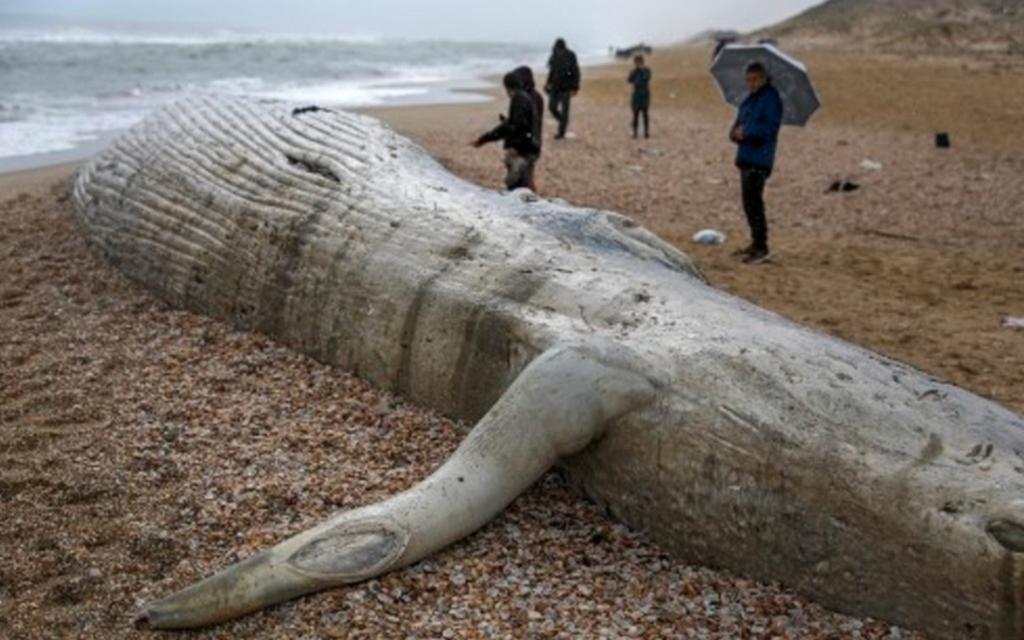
[709,237]
[842,186]
[871,165]
[1014,322]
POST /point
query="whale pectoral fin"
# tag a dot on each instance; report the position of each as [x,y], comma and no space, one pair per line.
[350,553]
[558,405]
[352,550]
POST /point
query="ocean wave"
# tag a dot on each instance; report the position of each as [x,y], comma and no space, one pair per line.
[240,84]
[59,97]
[10,112]
[76,35]
[344,94]
[46,133]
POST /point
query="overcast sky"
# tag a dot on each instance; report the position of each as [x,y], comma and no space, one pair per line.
[587,22]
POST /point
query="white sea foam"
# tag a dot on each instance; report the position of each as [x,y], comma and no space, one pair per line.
[48,133]
[79,35]
[343,94]
[338,94]
[64,87]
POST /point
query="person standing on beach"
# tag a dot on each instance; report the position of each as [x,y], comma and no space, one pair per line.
[563,84]
[640,78]
[756,134]
[526,80]
[518,131]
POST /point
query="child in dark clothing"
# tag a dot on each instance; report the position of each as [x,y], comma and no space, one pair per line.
[525,75]
[640,78]
[518,130]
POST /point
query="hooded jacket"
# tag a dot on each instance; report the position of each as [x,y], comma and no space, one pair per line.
[525,76]
[640,78]
[519,128]
[563,71]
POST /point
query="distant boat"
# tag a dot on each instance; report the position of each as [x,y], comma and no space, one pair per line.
[637,49]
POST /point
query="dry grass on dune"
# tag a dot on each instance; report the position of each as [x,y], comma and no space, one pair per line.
[986,27]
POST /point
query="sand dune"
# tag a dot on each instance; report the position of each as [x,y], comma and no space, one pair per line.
[925,26]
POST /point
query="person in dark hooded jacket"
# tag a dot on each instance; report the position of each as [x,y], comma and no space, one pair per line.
[518,131]
[563,83]
[640,78]
[526,80]
[529,85]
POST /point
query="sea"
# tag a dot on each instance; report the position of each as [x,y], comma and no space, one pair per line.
[66,90]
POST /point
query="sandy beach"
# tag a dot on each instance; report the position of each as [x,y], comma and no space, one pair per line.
[142,447]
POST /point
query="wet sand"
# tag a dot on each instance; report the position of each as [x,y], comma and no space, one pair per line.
[142,447]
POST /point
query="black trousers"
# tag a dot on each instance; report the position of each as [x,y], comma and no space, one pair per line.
[637,113]
[559,106]
[753,180]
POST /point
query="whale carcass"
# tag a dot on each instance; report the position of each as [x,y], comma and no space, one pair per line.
[728,434]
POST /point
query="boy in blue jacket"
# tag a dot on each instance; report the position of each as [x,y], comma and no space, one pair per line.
[756,133]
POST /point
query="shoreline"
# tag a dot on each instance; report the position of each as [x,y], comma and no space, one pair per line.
[33,178]
[42,161]
[679,85]
[447,94]
[452,93]
[18,171]
[31,169]
[40,167]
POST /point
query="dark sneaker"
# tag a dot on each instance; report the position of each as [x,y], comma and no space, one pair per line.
[743,253]
[757,256]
